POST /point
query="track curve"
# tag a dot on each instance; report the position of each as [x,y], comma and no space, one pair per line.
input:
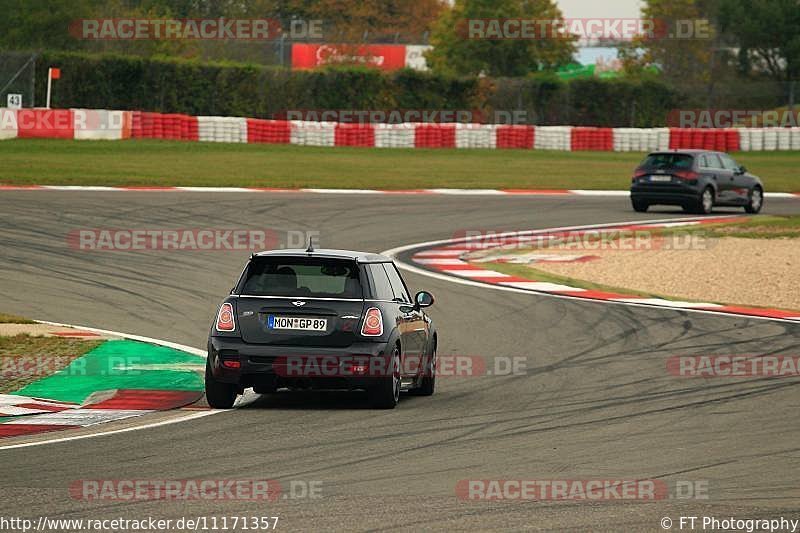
[594,402]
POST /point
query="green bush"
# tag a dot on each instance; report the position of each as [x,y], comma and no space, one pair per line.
[233,89]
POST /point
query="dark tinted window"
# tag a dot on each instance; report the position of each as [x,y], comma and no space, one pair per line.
[302,276]
[398,287]
[380,280]
[677,161]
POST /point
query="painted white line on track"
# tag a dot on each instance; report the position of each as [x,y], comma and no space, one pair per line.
[159,342]
[394,252]
[243,400]
[423,192]
[588,192]
[184,418]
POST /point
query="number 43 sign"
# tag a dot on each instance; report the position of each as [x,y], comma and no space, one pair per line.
[14,101]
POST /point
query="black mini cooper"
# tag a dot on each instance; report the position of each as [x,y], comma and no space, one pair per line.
[321,319]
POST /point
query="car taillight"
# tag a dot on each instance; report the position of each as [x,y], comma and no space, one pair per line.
[225,318]
[686,174]
[373,323]
[638,173]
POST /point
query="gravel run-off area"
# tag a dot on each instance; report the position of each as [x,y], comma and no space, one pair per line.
[757,272]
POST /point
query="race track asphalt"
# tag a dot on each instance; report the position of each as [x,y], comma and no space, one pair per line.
[595,401]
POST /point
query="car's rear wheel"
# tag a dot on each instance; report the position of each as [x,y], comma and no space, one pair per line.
[705,202]
[219,395]
[386,393]
[640,206]
[755,200]
[428,385]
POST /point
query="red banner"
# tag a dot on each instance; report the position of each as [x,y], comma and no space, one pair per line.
[382,56]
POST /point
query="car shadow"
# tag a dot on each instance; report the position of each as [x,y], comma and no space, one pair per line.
[716,211]
[309,400]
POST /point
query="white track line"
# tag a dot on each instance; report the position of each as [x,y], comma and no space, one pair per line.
[184,418]
[176,420]
[393,252]
[159,342]
[421,192]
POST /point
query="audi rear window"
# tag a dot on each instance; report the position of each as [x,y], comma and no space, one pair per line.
[677,161]
[296,277]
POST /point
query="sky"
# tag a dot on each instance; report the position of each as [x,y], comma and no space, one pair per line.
[627,9]
[600,9]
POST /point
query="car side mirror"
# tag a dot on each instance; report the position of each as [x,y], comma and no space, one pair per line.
[741,170]
[423,299]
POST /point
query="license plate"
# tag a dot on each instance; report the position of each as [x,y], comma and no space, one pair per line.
[296,323]
[660,177]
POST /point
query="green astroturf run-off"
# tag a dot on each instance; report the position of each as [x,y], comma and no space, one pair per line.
[121,364]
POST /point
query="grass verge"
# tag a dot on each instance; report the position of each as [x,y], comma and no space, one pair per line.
[25,359]
[535,274]
[757,227]
[170,163]
[13,319]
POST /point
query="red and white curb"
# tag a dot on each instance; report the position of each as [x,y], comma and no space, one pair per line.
[445,260]
[33,416]
[37,416]
[446,192]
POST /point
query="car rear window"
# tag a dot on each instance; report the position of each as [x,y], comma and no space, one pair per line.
[295,277]
[679,161]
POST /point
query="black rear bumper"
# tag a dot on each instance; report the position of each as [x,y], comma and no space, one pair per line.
[298,367]
[668,193]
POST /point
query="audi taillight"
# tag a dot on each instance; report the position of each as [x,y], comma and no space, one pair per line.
[225,320]
[373,323]
[686,174]
[638,173]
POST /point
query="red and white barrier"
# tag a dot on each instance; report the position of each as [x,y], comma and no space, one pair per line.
[362,135]
[476,136]
[395,135]
[222,129]
[434,135]
[313,133]
[640,139]
[553,138]
[519,137]
[146,125]
[45,124]
[268,131]
[101,124]
[8,123]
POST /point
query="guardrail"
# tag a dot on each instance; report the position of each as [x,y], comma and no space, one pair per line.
[102,124]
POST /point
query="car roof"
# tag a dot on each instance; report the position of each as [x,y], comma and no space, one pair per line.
[359,257]
[688,151]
